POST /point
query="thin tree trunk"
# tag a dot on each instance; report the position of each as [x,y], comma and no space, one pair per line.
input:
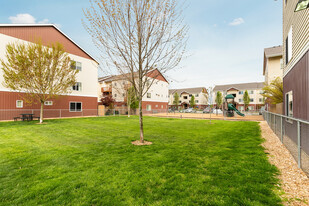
[128,102]
[41,112]
[141,125]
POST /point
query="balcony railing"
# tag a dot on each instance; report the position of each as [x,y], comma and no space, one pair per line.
[106,89]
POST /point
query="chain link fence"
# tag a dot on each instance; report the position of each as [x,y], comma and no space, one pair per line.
[294,134]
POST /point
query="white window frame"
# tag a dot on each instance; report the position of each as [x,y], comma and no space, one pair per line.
[79,85]
[48,103]
[149,95]
[79,68]
[148,107]
[81,106]
[22,103]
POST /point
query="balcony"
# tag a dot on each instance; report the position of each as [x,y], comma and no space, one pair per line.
[106,89]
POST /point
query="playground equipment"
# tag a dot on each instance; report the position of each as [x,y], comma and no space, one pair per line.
[230,106]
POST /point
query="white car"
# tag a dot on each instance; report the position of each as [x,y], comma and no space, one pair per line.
[217,111]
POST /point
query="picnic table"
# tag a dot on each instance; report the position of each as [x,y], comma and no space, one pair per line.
[26,117]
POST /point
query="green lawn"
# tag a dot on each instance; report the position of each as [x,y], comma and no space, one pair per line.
[91,161]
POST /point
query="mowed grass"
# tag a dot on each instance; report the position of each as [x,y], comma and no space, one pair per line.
[91,161]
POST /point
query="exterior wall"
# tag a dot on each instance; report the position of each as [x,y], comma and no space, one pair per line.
[299,21]
[159,106]
[200,97]
[297,81]
[87,76]
[273,69]
[158,91]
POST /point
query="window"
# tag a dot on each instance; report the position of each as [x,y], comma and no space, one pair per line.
[250,108]
[148,107]
[196,95]
[75,106]
[115,84]
[157,106]
[77,87]
[196,101]
[148,95]
[241,92]
[241,108]
[179,102]
[261,92]
[48,103]
[123,95]
[190,95]
[240,100]
[260,99]
[19,104]
[251,99]
[76,65]
[115,95]
[161,106]
[185,97]
[251,92]
[289,104]
[288,46]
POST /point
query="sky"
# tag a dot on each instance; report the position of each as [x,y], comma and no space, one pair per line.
[226,38]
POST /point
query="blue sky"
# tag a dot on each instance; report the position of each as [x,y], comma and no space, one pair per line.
[226,38]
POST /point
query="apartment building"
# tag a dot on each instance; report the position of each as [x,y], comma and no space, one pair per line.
[155,99]
[83,95]
[199,93]
[296,58]
[237,90]
[273,63]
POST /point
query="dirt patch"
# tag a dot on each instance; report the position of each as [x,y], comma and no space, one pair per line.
[138,143]
[294,181]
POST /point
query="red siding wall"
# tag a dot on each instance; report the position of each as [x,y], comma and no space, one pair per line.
[154,104]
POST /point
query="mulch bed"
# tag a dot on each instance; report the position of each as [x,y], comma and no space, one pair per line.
[138,143]
[294,182]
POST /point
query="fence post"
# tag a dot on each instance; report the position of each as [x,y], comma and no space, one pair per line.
[281,129]
[60,113]
[298,144]
[275,127]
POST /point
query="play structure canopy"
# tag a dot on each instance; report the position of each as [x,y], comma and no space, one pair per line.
[230,96]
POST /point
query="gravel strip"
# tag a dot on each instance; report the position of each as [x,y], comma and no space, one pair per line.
[294,182]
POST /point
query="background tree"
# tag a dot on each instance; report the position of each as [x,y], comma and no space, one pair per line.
[192,101]
[41,72]
[108,101]
[219,99]
[131,100]
[246,100]
[176,100]
[274,91]
[136,37]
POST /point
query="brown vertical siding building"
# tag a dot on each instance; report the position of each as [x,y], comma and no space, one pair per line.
[296,60]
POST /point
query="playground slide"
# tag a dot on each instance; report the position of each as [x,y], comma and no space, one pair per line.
[231,106]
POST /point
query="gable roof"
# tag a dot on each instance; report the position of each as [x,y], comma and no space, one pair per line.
[47,33]
[155,74]
[244,86]
[188,90]
[271,52]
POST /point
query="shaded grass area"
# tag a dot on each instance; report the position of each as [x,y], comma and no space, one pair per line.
[91,161]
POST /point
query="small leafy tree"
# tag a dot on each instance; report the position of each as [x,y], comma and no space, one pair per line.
[219,99]
[132,101]
[246,99]
[176,100]
[274,91]
[108,101]
[41,72]
[192,101]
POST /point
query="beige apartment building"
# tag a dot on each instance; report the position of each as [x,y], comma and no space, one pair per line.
[237,90]
[273,63]
[200,96]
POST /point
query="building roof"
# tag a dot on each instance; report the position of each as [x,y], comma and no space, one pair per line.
[155,73]
[188,90]
[244,86]
[273,51]
[270,52]
[47,33]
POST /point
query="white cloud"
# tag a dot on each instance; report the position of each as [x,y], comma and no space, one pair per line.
[22,19]
[237,22]
[44,21]
[26,19]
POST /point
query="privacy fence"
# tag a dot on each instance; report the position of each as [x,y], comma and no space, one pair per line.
[294,134]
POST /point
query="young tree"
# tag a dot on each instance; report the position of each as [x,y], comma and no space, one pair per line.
[132,102]
[139,39]
[176,100]
[108,101]
[192,101]
[246,100]
[219,99]
[274,91]
[41,72]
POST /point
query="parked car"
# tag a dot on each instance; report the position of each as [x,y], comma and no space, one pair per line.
[217,111]
[189,110]
[207,110]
